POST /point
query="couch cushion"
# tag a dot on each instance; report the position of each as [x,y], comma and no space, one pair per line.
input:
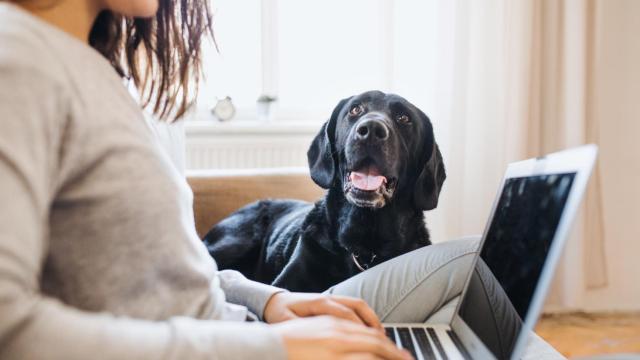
[218,193]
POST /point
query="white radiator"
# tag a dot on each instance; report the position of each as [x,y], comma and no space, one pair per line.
[247,148]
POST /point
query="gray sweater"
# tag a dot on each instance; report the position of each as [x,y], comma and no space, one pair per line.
[99,258]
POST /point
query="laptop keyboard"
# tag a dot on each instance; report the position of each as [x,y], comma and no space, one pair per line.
[428,344]
[390,333]
[423,343]
[406,341]
[436,341]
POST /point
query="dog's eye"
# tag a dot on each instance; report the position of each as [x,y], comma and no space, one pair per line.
[403,119]
[356,110]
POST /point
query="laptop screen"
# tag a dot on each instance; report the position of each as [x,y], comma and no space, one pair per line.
[514,251]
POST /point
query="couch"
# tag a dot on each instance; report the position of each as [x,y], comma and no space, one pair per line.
[219,193]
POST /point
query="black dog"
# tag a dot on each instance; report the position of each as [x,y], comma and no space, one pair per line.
[382,167]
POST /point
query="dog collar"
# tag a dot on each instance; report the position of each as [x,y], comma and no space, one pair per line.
[365,266]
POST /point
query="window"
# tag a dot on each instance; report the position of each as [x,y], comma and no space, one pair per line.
[235,70]
[311,54]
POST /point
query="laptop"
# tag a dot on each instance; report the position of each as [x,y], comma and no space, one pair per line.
[522,242]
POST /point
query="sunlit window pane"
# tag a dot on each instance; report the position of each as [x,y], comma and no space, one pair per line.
[328,50]
[235,70]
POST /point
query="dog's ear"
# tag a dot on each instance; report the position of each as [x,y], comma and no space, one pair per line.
[429,183]
[322,163]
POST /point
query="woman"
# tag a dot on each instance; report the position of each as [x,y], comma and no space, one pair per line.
[98,253]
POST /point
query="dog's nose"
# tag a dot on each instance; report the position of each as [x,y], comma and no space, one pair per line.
[372,130]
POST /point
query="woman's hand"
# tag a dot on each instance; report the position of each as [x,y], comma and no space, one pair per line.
[286,306]
[327,337]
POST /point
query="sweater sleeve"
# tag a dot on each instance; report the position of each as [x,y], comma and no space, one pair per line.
[33,113]
[242,291]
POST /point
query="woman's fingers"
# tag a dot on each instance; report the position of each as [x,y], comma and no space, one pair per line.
[361,308]
[372,345]
[357,338]
[328,337]
[326,306]
[288,315]
[360,356]
[343,307]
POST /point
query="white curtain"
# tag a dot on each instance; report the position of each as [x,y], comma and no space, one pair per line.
[511,80]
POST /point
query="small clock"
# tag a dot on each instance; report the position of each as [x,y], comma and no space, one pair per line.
[224,109]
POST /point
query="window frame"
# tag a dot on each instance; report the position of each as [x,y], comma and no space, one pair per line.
[270,71]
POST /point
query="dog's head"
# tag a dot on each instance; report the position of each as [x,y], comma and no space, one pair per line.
[376,146]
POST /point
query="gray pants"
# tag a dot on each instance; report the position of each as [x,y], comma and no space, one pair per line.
[421,286]
[425,286]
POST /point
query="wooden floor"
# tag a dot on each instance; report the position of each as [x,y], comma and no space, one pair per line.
[580,334]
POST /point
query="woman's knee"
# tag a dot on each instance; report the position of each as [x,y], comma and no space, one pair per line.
[433,277]
[414,285]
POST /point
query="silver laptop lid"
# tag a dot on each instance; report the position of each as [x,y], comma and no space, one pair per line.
[525,234]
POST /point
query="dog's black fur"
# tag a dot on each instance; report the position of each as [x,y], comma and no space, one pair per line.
[308,247]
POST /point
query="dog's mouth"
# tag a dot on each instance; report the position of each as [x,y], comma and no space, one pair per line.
[366,186]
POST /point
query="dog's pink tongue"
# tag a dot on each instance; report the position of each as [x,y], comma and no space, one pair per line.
[367,181]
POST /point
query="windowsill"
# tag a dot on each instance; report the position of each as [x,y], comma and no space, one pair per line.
[194,128]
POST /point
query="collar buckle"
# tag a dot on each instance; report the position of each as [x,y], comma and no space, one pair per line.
[365,266]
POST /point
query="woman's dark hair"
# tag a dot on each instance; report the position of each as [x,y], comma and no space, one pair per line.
[162,55]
